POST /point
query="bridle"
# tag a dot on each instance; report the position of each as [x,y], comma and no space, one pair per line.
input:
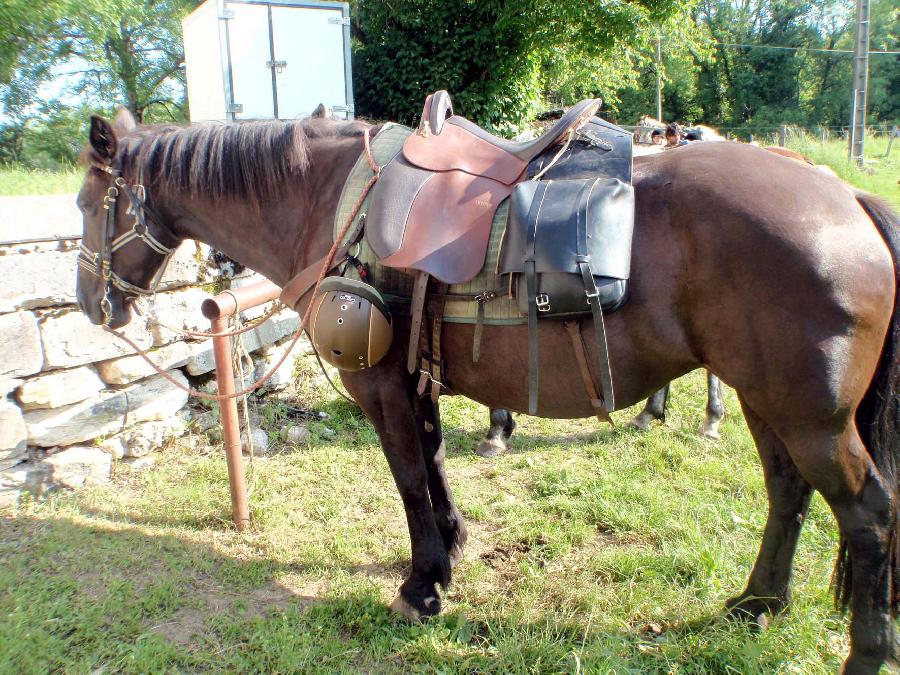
[100,263]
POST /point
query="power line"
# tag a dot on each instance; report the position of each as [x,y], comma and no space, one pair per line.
[801,49]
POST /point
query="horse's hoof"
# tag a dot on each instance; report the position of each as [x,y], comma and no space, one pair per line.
[752,611]
[490,447]
[711,431]
[641,422]
[404,609]
[401,606]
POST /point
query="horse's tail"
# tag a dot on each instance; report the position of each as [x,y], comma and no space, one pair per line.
[878,415]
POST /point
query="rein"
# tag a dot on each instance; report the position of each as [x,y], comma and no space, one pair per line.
[327,263]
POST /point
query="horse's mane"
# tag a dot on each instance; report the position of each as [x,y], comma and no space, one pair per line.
[251,161]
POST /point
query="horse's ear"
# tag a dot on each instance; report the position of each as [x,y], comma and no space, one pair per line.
[321,111]
[124,122]
[103,138]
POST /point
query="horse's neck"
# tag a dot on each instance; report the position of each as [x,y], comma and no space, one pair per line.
[278,237]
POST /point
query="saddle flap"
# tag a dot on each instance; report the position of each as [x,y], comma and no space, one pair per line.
[448,226]
[458,149]
[605,209]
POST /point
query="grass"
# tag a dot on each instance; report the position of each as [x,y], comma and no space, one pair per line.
[15,180]
[880,174]
[590,550]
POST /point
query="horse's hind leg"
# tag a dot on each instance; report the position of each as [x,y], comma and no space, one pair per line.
[789,495]
[494,443]
[715,407]
[837,464]
[448,518]
[654,409]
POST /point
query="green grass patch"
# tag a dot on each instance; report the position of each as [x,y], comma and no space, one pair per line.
[880,175]
[16,180]
[589,550]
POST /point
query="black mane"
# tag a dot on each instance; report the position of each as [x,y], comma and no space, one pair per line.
[251,161]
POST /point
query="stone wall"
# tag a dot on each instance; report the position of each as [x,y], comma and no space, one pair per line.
[73,398]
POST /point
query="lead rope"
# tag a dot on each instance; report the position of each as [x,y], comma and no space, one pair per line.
[196,393]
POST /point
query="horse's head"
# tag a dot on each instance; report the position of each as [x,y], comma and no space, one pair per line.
[124,244]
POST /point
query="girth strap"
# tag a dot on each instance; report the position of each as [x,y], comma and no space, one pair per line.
[574,329]
[432,365]
[417,308]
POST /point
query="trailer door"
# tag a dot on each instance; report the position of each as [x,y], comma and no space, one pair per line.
[250,54]
[310,45]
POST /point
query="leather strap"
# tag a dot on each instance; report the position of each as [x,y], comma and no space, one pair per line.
[417,308]
[574,329]
[534,215]
[600,332]
[479,329]
[583,260]
[303,283]
[437,376]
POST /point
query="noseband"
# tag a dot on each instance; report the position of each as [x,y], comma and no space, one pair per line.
[100,263]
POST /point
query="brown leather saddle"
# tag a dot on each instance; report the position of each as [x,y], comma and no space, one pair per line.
[432,207]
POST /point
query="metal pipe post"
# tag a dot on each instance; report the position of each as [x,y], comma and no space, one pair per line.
[231,432]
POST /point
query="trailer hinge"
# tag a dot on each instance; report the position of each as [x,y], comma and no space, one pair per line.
[344,108]
[340,20]
[279,66]
[234,108]
[226,14]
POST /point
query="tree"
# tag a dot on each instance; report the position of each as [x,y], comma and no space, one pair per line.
[112,52]
[493,55]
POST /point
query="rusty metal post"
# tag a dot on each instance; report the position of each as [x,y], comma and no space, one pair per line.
[217,310]
[231,432]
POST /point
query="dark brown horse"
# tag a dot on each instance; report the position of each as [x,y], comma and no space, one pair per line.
[781,280]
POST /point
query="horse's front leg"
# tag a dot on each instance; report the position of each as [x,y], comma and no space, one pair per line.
[494,443]
[385,394]
[448,518]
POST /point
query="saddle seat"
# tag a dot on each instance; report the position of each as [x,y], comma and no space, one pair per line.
[432,207]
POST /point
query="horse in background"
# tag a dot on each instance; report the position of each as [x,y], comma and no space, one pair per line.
[502,423]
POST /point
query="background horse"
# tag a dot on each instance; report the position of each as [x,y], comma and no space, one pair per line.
[502,422]
[781,280]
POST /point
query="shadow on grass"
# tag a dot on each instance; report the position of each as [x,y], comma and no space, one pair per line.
[87,595]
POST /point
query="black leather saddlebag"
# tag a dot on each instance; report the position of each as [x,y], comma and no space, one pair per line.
[568,245]
[563,233]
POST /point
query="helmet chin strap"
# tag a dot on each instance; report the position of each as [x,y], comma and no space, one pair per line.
[100,263]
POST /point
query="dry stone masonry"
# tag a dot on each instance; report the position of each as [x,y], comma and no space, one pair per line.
[74,399]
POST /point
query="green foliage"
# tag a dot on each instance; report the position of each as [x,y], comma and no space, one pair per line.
[755,87]
[18,180]
[495,57]
[111,52]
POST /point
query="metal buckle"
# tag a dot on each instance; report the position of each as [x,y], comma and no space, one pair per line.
[543,302]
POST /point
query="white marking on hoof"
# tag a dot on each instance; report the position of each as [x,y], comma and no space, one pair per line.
[711,430]
[642,421]
[491,447]
[404,609]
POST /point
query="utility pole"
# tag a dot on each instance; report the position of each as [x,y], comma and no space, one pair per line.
[658,79]
[860,83]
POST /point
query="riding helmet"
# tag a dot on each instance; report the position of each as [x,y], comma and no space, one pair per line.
[351,325]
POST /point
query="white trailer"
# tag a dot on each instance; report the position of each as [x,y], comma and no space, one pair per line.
[267,59]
